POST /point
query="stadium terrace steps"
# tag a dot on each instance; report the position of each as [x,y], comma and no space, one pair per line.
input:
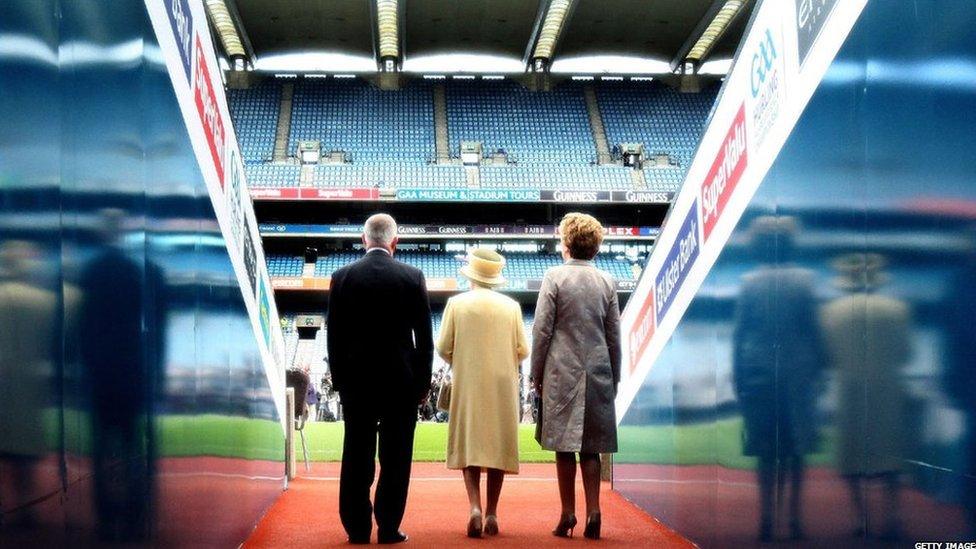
[532,127]
[284,122]
[254,112]
[553,140]
[441,136]
[369,124]
[596,125]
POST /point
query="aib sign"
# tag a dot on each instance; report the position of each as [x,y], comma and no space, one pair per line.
[811,15]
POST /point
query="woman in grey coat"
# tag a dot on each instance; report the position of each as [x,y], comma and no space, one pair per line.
[576,367]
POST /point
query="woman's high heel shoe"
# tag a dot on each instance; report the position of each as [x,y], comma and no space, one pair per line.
[474,525]
[592,530]
[567,523]
[491,525]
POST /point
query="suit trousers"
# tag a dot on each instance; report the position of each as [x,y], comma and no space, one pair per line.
[392,420]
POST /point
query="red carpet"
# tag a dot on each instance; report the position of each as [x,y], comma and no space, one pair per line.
[437,511]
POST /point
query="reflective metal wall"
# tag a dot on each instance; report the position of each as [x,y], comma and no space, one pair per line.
[820,389]
[133,402]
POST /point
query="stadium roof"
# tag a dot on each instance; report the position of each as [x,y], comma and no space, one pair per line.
[480,35]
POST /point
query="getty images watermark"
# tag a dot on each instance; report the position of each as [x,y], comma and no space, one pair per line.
[945,545]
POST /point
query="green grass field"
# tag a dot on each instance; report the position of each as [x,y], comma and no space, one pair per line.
[430,443]
[237,437]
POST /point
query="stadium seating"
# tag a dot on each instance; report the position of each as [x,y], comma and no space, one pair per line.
[285,265]
[666,121]
[532,127]
[254,112]
[369,124]
[319,348]
[389,135]
[519,267]
[556,176]
[389,175]
[272,175]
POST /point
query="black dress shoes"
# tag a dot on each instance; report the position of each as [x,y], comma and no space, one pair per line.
[395,537]
[359,540]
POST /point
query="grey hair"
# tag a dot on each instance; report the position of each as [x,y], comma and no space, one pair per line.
[380,230]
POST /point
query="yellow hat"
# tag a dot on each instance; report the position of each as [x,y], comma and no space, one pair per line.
[484,266]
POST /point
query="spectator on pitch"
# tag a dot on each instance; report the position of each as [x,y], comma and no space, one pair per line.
[576,367]
[380,354]
[483,339]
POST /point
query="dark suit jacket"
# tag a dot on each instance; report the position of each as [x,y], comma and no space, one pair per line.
[379,332]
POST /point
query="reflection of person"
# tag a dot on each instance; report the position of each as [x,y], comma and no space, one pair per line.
[483,339]
[960,372]
[776,367]
[576,367]
[380,355]
[120,334]
[27,323]
[868,338]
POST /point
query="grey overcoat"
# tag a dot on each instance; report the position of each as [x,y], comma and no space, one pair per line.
[576,354]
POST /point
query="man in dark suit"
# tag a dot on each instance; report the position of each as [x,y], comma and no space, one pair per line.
[380,354]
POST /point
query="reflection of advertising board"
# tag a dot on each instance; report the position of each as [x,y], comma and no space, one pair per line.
[206,102]
[726,170]
[811,15]
[679,260]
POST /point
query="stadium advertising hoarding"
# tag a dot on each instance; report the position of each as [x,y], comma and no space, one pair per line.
[760,102]
[185,42]
[447,231]
[434,284]
[580,196]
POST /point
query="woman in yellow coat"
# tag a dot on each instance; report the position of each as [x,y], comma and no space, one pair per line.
[483,339]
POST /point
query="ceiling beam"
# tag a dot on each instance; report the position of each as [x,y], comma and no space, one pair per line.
[550,24]
[709,31]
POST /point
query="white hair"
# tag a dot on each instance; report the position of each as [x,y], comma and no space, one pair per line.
[380,230]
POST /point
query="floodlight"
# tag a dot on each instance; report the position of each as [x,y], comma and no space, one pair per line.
[714,30]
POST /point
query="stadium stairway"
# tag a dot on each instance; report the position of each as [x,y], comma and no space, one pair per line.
[442,147]
[284,122]
[307,514]
[596,125]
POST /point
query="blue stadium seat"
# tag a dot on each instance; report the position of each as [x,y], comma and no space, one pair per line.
[254,112]
[369,124]
[272,175]
[533,127]
[665,120]
[285,265]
